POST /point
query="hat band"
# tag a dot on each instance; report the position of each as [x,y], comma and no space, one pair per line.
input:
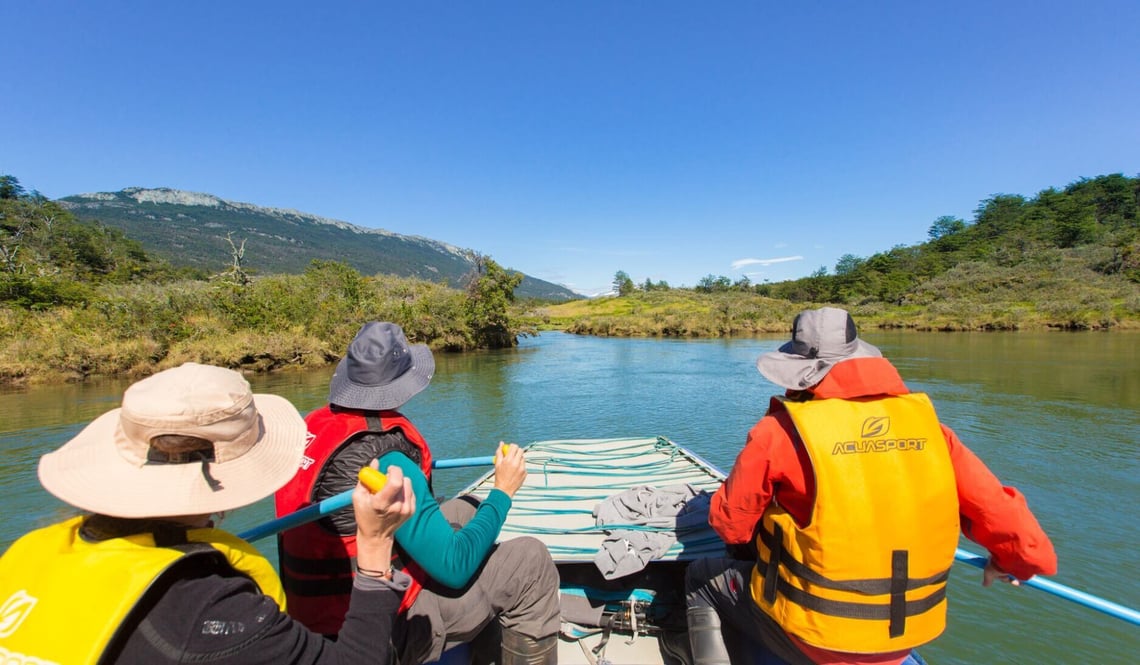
[156,456]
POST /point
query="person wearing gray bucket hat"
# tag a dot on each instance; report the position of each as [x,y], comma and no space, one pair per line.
[821,338]
[847,490]
[446,547]
[146,577]
[381,370]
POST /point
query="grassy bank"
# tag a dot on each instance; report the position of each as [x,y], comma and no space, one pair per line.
[271,323]
[307,320]
[1053,294]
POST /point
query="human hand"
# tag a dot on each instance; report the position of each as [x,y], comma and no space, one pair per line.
[510,468]
[991,572]
[378,514]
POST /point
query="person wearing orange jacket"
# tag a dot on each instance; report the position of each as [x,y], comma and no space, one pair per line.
[845,506]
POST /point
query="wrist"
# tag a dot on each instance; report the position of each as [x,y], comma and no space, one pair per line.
[381,574]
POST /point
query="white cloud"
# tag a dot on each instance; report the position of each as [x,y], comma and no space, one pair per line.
[740,263]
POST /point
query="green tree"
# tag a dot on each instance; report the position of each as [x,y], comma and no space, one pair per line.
[946,225]
[713,284]
[623,284]
[489,297]
[847,264]
[10,188]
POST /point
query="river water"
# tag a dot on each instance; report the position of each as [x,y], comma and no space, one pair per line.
[1056,415]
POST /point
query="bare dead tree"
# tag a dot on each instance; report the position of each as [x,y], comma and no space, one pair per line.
[236,274]
[10,244]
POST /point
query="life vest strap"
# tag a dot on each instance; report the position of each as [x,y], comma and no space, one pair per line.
[315,566]
[898,592]
[875,611]
[871,587]
[316,588]
[776,554]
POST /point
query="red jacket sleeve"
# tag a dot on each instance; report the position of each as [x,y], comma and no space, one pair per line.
[997,517]
[739,503]
[770,465]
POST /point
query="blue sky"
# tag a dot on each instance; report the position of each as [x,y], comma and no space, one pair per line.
[570,140]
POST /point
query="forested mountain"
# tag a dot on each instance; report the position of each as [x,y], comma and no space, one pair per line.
[195,230]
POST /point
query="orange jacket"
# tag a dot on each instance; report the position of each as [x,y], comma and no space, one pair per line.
[774,464]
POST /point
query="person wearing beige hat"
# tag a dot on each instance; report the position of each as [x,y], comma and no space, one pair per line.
[143,576]
[843,510]
[466,588]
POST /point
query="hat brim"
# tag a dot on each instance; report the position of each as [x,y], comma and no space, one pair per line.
[89,473]
[795,372]
[344,392]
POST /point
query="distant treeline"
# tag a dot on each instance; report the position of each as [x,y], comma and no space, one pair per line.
[1065,259]
[1094,220]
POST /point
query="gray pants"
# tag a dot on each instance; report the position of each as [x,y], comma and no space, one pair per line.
[723,584]
[517,584]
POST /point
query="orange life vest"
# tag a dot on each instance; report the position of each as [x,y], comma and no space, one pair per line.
[317,562]
[868,572]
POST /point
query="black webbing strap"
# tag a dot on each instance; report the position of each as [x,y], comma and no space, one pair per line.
[772,572]
[171,535]
[875,611]
[870,587]
[334,576]
[898,592]
[316,588]
[313,566]
[372,419]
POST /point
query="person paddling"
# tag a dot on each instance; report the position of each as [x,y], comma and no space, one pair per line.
[146,577]
[845,506]
[503,597]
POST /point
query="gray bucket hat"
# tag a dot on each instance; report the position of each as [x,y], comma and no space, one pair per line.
[381,370]
[821,338]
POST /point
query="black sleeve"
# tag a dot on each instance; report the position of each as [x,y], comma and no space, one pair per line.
[227,620]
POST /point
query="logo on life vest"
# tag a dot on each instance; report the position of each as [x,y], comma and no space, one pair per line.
[876,426]
[14,610]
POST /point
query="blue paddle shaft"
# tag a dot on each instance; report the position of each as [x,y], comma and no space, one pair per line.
[344,499]
[1080,597]
[338,501]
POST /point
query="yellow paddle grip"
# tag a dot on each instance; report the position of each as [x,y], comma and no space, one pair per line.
[372,479]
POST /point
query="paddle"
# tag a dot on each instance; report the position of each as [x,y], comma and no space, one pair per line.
[338,501]
[1080,597]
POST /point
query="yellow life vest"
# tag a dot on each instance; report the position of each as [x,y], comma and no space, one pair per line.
[62,598]
[868,572]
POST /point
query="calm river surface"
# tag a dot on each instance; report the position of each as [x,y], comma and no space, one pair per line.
[1056,415]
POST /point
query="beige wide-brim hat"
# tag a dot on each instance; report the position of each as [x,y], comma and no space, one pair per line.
[111,468]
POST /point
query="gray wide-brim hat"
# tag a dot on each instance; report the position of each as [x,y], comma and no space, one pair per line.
[381,369]
[821,338]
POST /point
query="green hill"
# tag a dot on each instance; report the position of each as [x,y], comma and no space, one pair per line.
[190,230]
[1066,258]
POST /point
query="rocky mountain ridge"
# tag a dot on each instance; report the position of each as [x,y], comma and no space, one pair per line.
[191,228]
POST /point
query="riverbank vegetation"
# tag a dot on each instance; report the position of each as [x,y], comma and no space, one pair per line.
[1066,259]
[78,299]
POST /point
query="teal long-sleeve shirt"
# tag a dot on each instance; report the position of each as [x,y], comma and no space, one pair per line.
[449,556]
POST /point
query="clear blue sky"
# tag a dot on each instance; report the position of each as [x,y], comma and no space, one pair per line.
[570,140]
